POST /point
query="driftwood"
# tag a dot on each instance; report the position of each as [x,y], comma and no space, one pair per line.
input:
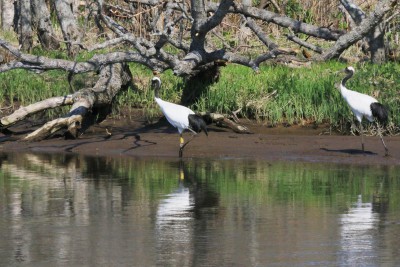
[225,121]
[85,103]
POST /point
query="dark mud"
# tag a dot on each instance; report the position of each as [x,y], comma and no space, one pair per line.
[133,138]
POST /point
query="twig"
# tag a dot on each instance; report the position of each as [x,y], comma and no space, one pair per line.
[234,114]
[300,42]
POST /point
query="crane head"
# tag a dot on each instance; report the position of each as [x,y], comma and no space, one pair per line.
[349,69]
[156,82]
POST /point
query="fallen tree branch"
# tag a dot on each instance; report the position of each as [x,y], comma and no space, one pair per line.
[222,120]
[73,123]
[86,102]
[23,112]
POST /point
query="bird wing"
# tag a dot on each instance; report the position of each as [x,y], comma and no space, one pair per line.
[359,103]
[176,115]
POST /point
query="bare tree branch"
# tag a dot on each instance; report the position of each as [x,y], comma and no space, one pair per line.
[297,40]
[283,21]
[27,61]
[267,16]
[359,32]
[260,33]
[354,11]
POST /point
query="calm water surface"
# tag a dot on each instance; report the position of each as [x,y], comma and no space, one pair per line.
[67,210]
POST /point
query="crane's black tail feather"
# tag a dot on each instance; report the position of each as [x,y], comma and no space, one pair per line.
[380,112]
[197,123]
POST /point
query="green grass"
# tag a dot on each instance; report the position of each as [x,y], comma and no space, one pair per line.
[20,87]
[276,95]
[300,95]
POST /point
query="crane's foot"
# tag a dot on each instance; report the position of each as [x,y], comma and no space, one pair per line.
[386,152]
[182,146]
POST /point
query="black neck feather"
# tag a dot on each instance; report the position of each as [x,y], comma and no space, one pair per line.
[156,85]
[348,76]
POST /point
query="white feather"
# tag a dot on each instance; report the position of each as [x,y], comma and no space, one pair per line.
[176,115]
[359,103]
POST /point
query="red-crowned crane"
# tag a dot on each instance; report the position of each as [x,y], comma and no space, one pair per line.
[179,116]
[364,105]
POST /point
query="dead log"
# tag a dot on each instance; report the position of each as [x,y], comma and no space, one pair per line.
[224,121]
[86,104]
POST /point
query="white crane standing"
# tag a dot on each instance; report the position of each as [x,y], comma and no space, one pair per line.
[364,105]
[179,116]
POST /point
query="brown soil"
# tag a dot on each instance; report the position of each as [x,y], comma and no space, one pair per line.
[132,137]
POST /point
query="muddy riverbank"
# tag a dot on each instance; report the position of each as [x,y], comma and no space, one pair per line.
[134,138]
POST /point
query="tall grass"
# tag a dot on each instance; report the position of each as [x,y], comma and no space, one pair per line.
[281,94]
[278,94]
[20,87]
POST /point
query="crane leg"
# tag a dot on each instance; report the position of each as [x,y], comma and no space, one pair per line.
[362,137]
[383,142]
[183,144]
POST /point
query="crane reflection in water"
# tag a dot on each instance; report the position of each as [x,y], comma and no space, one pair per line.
[359,227]
[176,218]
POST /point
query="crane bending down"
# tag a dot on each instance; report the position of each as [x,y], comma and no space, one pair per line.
[179,116]
[364,105]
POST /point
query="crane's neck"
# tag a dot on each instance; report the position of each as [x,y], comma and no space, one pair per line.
[157,92]
[156,83]
[345,79]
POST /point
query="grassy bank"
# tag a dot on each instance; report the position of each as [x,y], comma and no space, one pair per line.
[280,94]
[276,95]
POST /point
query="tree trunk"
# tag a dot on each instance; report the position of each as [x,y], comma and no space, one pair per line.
[375,38]
[25,32]
[7,11]
[368,24]
[247,2]
[69,25]
[75,5]
[43,25]
[376,41]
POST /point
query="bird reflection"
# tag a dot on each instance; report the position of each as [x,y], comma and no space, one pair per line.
[357,232]
[174,224]
[178,204]
[177,219]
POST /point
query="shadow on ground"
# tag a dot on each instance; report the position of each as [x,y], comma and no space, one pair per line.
[349,151]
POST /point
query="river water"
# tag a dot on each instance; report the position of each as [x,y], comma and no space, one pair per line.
[73,210]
